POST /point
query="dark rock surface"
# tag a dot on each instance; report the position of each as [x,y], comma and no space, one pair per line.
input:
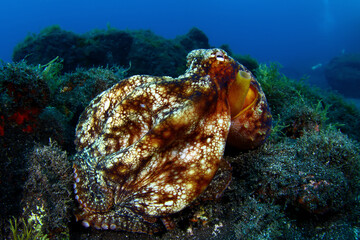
[343,74]
[144,51]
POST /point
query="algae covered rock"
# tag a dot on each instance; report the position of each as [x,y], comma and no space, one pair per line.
[47,45]
[343,74]
[144,51]
[47,198]
[317,173]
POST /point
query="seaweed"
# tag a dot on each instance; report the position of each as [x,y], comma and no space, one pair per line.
[22,230]
[297,105]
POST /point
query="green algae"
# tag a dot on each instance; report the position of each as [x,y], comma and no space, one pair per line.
[25,230]
[293,99]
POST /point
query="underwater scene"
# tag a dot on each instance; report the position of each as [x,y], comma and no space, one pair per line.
[180,120]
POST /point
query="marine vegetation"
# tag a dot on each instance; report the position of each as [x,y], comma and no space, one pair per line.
[297,107]
[22,230]
[147,52]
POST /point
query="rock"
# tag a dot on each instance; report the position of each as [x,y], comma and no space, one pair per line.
[144,51]
[343,74]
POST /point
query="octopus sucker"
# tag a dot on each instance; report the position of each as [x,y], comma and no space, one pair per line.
[150,146]
[101,199]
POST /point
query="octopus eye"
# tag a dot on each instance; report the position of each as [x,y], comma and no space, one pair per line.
[220,56]
[239,92]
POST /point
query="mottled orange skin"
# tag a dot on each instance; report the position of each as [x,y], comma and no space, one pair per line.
[149,146]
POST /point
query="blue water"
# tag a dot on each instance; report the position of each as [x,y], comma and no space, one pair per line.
[298,34]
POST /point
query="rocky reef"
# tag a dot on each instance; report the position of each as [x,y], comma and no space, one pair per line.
[146,52]
[303,183]
[343,74]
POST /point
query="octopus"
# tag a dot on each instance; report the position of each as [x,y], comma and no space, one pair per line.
[150,146]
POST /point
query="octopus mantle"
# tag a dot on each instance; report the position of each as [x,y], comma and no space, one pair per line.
[149,146]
